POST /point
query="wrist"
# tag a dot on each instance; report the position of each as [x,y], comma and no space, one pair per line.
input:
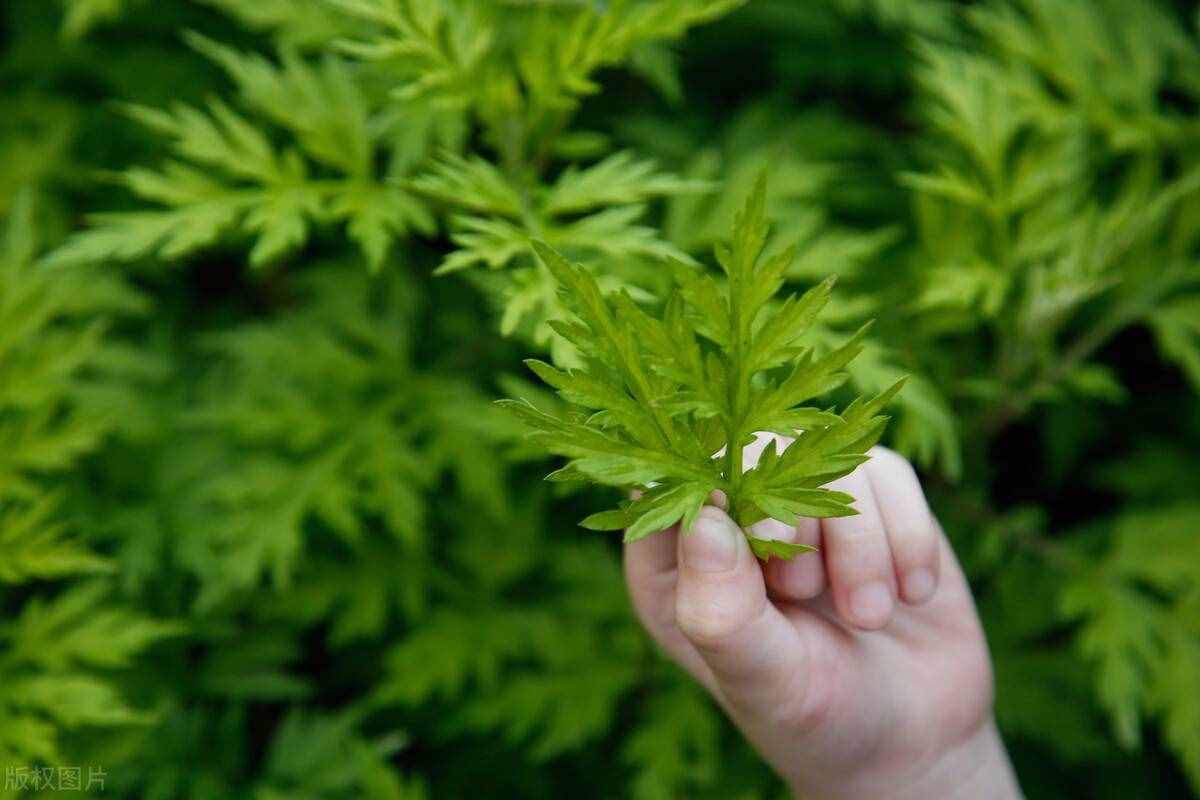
[977,768]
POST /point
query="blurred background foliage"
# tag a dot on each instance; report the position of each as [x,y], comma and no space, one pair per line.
[266,265]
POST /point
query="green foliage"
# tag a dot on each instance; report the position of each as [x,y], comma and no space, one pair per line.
[81,16]
[497,57]
[350,440]
[1031,226]
[592,213]
[323,756]
[263,531]
[229,177]
[655,405]
[63,383]
[1137,609]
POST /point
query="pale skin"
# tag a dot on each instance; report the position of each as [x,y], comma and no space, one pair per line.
[859,671]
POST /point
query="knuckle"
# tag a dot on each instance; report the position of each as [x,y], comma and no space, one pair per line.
[812,707]
[847,582]
[800,581]
[912,533]
[711,622]
[915,545]
[860,542]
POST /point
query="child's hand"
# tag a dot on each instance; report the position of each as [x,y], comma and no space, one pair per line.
[859,671]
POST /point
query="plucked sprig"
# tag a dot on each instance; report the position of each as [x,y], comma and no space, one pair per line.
[665,405]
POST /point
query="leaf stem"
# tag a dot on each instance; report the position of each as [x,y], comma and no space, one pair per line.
[733,461]
[738,396]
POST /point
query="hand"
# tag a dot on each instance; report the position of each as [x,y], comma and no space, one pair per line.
[859,671]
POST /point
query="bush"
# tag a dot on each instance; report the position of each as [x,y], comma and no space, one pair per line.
[263,532]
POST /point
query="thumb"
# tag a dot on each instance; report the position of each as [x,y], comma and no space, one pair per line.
[756,655]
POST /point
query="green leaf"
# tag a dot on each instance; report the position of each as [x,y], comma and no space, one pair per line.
[651,403]
[617,180]
[1176,326]
[773,343]
[470,183]
[786,505]
[662,507]
[229,178]
[766,549]
[32,545]
[607,521]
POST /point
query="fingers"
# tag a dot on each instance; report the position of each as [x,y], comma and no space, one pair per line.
[858,559]
[893,515]
[652,555]
[651,574]
[801,577]
[889,550]
[912,532]
[757,657]
[704,597]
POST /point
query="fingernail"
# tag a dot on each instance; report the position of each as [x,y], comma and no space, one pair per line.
[918,585]
[872,604]
[712,545]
